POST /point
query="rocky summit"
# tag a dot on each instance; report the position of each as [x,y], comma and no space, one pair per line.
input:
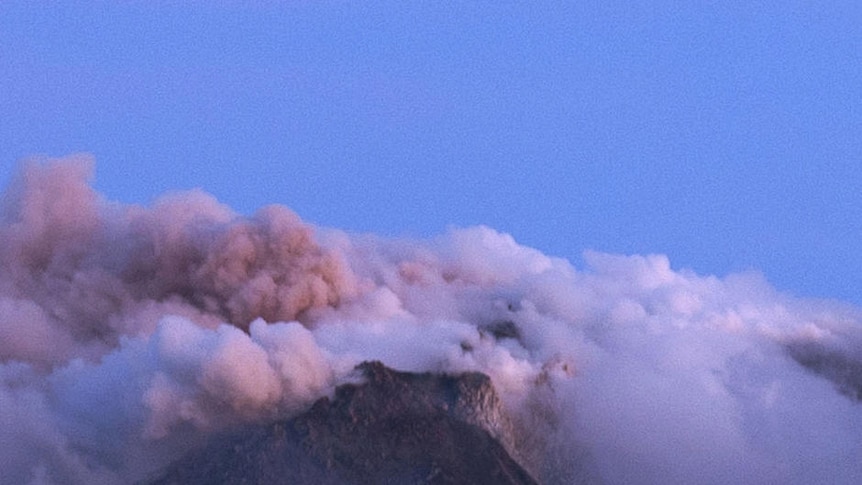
[393,427]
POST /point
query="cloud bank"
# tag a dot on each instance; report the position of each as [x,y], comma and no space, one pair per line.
[129,334]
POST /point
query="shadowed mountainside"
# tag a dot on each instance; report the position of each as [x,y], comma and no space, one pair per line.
[840,368]
[396,427]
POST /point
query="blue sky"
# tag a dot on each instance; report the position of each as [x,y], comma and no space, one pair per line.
[725,135]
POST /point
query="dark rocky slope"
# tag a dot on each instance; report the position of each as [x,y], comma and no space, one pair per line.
[395,428]
[839,367]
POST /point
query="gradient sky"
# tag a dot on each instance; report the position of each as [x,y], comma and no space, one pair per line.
[726,135]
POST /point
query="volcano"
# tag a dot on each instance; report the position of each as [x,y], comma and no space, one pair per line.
[392,427]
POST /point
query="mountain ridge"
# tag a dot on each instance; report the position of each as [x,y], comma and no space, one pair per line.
[395,427]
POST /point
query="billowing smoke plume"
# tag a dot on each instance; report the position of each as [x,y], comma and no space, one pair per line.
[128,334]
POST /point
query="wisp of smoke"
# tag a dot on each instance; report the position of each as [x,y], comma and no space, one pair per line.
[129,334]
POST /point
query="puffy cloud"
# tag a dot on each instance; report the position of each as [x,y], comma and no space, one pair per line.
[129,334]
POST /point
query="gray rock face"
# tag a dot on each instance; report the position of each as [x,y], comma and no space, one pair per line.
[840,368]
[396,428]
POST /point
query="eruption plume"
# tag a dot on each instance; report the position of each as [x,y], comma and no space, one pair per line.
[130,334]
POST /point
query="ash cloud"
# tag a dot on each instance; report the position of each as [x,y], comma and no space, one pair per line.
[129,334]
[88,271]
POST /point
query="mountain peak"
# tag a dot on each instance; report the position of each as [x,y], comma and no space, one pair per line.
[393,427]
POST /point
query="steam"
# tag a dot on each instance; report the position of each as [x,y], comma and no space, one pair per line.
[129,334]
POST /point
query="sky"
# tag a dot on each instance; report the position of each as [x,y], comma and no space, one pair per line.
[725,135]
